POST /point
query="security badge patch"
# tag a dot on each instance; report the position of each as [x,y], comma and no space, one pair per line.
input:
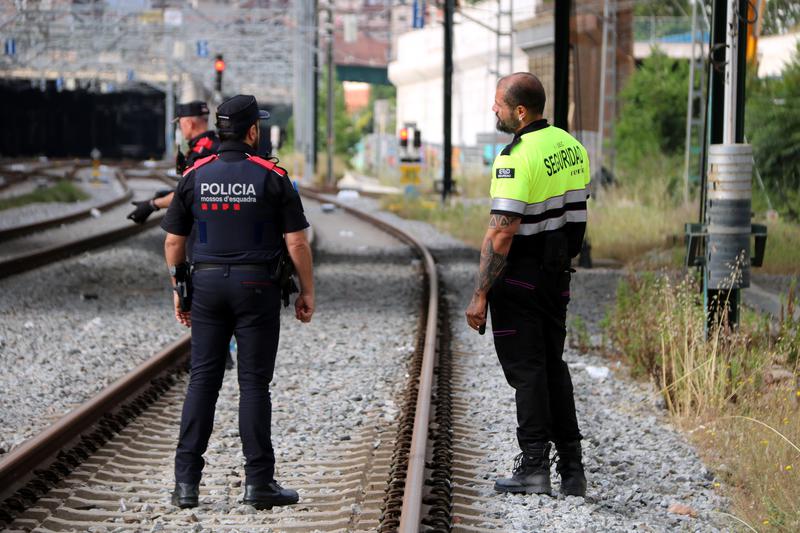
[504,173]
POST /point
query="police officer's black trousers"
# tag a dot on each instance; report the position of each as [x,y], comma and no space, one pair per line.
[528,311]
[231,301]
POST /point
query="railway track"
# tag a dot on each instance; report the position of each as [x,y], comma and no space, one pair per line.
[430,468]
[69,172]
[33,245]
[77,474]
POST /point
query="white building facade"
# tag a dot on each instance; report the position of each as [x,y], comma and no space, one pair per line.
[418,73]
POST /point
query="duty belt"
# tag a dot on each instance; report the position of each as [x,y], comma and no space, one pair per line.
[257,267]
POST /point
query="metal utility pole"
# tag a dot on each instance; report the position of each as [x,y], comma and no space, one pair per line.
[315,70]
[608,84]
[695,104]
[447,183]
[169,102]
[169,132]
[561,74]
[331,104]
[304,88]
[601,120]
[726,226]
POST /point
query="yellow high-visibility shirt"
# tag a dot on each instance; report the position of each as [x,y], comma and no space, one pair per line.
[543,177]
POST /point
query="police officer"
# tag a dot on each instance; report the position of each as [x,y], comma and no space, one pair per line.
[244,208]
[192,119]
[538,218]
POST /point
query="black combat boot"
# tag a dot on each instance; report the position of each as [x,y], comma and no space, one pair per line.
[268,496]
[186,495]
[570,468]
[531,474]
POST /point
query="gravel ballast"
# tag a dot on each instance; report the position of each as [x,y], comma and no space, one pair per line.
[71,328]
[638,464]
[344,369]
[100,192]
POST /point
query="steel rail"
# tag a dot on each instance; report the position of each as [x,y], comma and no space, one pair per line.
[33,227]
[411,512]
[29,261]
[36,453]
[22,463]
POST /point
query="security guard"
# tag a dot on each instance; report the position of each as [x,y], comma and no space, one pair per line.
[244,208]
[538,219]
[192,119]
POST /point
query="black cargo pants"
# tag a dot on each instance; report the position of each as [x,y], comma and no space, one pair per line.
[239,301]
[528,311]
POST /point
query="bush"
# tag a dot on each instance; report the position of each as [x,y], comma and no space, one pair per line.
[745,426]
[63,191]
[652,121]
[772,123]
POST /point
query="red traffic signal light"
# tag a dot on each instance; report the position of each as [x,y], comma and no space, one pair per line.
[404,137]
[219,64]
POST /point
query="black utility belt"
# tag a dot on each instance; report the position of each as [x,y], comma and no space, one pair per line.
[252,267]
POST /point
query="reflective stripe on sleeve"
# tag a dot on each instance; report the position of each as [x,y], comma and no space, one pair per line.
[507,204]
[552,223]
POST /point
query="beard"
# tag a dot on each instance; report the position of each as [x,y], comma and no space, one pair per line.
[507,126]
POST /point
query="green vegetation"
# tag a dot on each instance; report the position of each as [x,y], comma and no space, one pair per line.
[780,16]
[736,393]
[783,249]
[650,131]
[467,222]
[62,191]
[579,334]
[347,129]
[772,122]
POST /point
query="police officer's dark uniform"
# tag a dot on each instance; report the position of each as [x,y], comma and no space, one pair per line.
[200,147]
[241,205]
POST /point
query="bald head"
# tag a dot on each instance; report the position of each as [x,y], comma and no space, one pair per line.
[523,89]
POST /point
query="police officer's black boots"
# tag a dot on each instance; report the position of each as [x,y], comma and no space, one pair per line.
[186,495]
[268,496]
[570,468]
[531,474]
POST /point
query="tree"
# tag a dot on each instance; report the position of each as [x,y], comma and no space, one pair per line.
[347,131]
[659,8]
[772,123]
[780,16]
[653,116]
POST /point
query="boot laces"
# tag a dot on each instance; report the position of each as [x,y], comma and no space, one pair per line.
[532,461]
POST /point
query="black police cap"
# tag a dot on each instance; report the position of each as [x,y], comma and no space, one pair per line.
[196,108]
[236,114]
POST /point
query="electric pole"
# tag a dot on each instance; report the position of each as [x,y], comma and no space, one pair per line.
[329,59]
[447,182]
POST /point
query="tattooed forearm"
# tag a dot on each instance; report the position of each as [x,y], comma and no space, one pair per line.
[500,221]
[492,265]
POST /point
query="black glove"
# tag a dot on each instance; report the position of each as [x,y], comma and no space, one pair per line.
[142,211]
[180,162]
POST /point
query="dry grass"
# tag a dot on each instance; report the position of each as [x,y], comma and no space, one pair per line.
[723,389]
[638,224]
[464,221]
[61,191]
[783,248]
[753,447]
[628,230]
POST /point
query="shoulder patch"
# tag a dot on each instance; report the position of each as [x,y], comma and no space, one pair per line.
[269,165]
[507,173]
[199,163]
